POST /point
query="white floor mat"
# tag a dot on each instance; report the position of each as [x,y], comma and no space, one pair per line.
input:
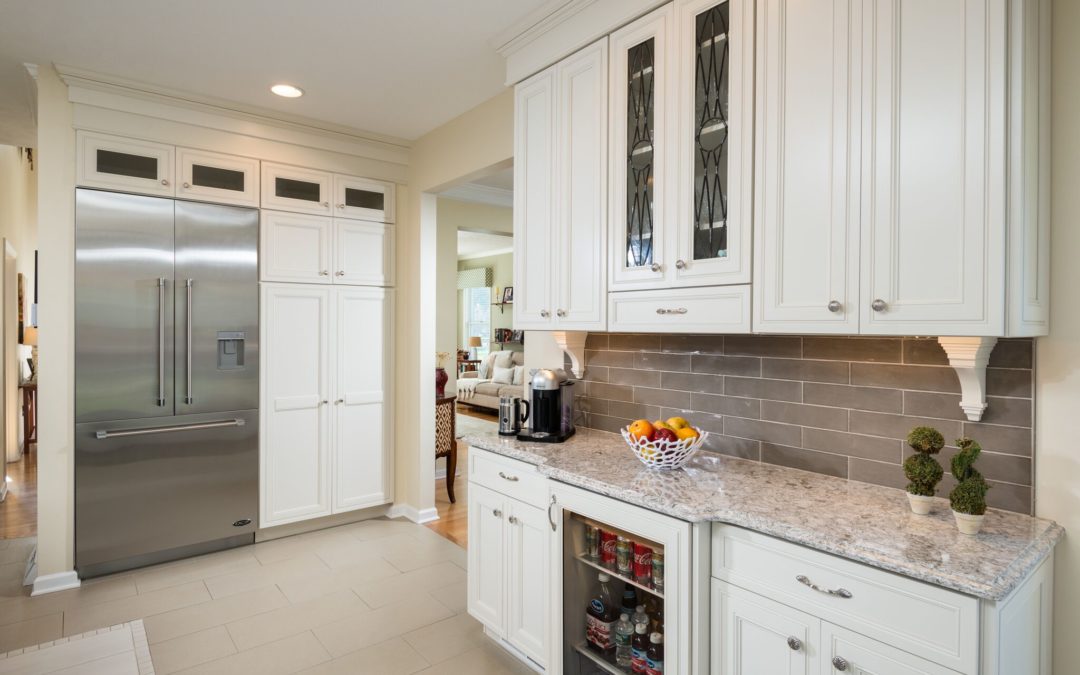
[117,650]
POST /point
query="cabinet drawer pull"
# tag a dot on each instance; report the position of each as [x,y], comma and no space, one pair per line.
[839,592]
[551,519]
[512,479]
[840,663]
[676,310]
[795,643]
[497,513]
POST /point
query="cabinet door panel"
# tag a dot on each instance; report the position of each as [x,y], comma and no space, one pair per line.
[933,167]
[362,370]
[859,655]
[754,636]
[486,585]
[363,253]
[292,188]
[714,103]
[527,580]
[534,230]
[295,247]
[294,441]
[363,199]
[807,206]
[640,143]
[214,177]
[582,190]
[124,164]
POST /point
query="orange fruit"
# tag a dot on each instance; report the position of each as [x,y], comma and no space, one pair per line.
[686,432]
[641,429]
[677,423]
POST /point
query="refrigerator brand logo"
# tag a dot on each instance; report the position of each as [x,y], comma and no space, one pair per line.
[242,522]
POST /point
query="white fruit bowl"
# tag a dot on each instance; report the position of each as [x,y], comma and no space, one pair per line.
[664,454]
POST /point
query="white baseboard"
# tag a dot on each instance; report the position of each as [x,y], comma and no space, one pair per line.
[412,513]
[51,583]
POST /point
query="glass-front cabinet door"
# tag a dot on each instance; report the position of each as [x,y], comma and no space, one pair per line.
[292,188]
[124,164]
[714,114]
[214,177]
[639,150]
[363,199]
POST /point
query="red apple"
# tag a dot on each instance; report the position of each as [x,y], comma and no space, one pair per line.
[665,435]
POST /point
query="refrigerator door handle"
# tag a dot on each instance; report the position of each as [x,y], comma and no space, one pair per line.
[189,398]
[161,341]
[104,434]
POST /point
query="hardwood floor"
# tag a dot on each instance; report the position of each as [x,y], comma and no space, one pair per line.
[453,522]
[18,512]
[479,413]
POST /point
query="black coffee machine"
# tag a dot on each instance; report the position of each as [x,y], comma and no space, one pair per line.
[551,409]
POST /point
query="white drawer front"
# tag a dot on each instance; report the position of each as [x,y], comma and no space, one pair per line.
[719,309]
[508,476]
[932,622]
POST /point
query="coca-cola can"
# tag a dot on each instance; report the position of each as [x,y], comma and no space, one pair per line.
[592,542]
[642,562]
[624,555]
[607,548]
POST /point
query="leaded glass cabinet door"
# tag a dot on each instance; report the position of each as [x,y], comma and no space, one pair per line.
[640,143]
[711,224]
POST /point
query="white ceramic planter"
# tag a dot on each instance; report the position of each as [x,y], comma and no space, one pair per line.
[967,523]
[920,505]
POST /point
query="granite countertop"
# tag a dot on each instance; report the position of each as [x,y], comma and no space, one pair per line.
[859,521]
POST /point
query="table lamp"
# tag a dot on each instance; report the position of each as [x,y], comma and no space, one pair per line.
[475,343]
[30,338]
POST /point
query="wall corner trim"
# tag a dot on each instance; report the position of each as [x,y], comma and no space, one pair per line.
[968,356]
[51,583]
[418,516]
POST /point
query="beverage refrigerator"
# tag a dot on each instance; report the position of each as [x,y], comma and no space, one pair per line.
[682,594]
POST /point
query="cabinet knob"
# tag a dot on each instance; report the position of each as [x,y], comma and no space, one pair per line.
[513,520]
[544,313]
[323,402]
[326,205]
[497,513]
[795,643]
[840,663]
[341,206]
[680,264]
[878,305]
[187,185]
[339,401]
[324,273]
[560,313]
[339,273]
[656,267]
[835,306]
[164,182]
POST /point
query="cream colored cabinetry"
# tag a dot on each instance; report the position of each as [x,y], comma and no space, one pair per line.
[298,247]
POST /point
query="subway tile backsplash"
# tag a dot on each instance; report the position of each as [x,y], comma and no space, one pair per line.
[834,405]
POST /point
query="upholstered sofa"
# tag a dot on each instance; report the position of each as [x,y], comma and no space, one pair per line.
[477,388]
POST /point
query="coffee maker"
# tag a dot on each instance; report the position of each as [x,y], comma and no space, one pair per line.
[551,408]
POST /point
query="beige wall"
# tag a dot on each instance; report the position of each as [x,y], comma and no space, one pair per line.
[1057,362]
[473,216]
[18,221]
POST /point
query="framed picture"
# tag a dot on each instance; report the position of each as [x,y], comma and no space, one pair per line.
[508,295]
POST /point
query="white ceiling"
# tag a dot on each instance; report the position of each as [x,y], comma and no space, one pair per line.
[496,189]
[398,68]
[478,244]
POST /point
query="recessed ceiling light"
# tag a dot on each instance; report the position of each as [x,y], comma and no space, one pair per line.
[287,90]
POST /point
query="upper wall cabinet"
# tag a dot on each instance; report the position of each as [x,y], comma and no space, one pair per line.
[560,195]
[214,177]
[303,248]
[682,112]
[363,199]
[124,164]
[291,188]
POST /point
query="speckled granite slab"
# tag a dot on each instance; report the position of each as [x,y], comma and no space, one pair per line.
[859,521]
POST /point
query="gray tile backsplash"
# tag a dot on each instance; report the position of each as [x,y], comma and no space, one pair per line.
[834,405]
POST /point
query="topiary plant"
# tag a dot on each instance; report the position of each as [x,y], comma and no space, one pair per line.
[921,469]
[969,495]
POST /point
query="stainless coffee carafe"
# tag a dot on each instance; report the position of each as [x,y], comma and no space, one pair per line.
[510,415]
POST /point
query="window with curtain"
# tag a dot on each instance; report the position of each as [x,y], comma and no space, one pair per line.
[477,310]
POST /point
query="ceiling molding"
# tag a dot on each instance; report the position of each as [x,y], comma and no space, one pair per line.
[86,79]
[487,254]
[480,194]
[31,90]
[541,20]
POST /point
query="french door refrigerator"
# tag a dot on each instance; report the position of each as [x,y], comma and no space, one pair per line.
[166,379]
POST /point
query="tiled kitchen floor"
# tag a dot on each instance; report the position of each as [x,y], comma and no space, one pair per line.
[374,597]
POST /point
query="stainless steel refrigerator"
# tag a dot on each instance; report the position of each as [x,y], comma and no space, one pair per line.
[166,379]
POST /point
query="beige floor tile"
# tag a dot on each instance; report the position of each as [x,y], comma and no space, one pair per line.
[380,528]
[453,596]
[83,618]
[370,628]
[372,571]
[31,632]
[195,569]
[292,619]
[488,659]
[393,657]
[348,551]
[447,638]
[408,553]
[18,551]
[277,550]
[290,655]
[191,619]
[191,650]
[413,585]
[302,567]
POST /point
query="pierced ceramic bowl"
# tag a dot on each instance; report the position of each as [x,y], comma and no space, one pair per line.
[664,454]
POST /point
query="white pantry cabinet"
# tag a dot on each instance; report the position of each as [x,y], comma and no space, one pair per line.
[324,441]
[306,248]
[560,188]
[901,161]
[508,553]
